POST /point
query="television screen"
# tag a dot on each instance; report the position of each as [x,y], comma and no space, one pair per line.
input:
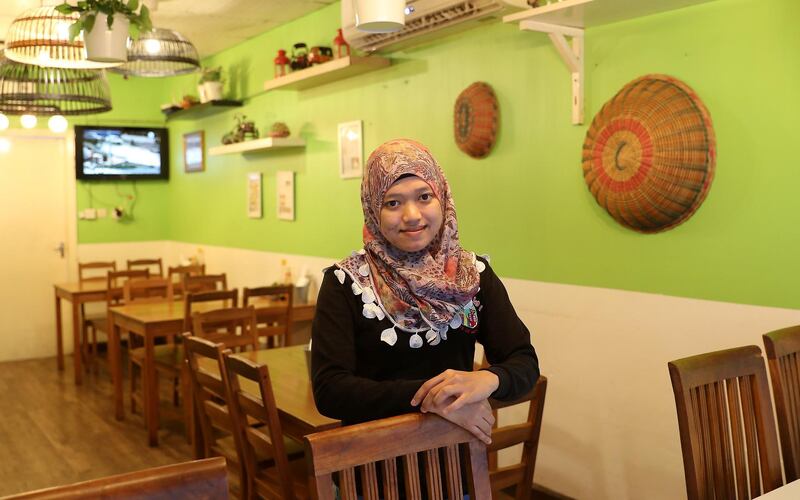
[121,153]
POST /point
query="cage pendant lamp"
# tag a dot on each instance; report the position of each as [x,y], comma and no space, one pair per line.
[30,89]
[160,53]
[41,36]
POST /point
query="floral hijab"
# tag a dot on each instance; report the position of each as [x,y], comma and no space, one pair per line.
[423,291]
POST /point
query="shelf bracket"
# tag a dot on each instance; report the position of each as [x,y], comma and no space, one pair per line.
[571,54]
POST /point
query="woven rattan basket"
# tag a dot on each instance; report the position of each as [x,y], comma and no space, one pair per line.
[650,153]
[475,118]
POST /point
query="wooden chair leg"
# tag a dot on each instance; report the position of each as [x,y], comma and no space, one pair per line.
[188,403]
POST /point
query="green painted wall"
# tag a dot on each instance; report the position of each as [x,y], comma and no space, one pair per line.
[136,102]
[527,205]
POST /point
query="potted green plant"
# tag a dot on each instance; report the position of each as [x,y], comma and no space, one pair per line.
[106,25]
[210,85]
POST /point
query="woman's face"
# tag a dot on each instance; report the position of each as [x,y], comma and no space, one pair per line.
[411,216]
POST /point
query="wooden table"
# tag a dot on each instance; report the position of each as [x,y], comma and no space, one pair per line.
[291,386]
[150,321]
[77,294]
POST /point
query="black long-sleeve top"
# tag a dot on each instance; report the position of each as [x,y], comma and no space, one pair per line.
[358,377]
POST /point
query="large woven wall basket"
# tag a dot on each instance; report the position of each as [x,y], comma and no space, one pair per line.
[650,153]
[475,120]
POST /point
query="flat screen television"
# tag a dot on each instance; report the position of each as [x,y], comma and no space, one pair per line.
[121,153]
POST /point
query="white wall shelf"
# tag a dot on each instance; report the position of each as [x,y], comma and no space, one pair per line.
[268,143]
[331,71]
[569,18]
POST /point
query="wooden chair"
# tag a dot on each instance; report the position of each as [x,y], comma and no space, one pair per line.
[153,265]
[235,327]
[282,478]
[170,358]
[197,479]
[209,391]
[726,424]
[91,272]
[135,291]
[519,475]
[115,281]
[275,323]
[180,272]
[783,350]
[364,448]
[204,283]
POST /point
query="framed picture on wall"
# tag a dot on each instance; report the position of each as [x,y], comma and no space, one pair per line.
[351,156]
[285,189]
[254,195]
[194,145]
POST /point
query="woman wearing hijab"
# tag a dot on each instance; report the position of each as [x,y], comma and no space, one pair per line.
[397,321]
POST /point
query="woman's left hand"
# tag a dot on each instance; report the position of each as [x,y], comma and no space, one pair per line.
[456,387]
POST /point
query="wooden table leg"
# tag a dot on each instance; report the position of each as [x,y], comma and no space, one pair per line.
[150,391]
[59,334]
[76,341]
[115,365]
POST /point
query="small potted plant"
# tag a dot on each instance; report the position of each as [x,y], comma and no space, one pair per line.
[106,25]
[210,86]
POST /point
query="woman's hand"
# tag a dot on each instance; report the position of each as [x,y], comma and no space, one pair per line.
[476,418]
[452,389]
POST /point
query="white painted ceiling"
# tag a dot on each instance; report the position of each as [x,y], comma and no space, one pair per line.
[212,25]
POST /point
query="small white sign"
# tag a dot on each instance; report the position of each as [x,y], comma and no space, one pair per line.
[351,156]
[254,195]
[285,191]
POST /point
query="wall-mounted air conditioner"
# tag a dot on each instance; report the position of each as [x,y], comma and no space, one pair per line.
[429,18]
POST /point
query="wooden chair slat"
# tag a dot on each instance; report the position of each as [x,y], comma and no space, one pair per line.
[411,476]
[732,393]
[390,484]
[347,484]
[452,471]
[433,474]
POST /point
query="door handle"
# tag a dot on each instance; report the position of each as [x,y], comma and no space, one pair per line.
[60,249]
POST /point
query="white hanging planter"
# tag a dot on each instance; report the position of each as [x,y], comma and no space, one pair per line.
[210,91]
[108,45]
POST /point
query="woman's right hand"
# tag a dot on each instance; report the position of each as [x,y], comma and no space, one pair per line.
[475,417]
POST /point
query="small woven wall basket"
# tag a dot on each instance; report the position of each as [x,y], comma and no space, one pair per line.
[475,119]
[650,153]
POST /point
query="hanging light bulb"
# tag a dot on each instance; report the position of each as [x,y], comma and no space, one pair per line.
[28,121]
[158,53]
[57,123]
[3,121]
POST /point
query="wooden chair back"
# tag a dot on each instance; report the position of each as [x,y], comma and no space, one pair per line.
[274,322]
[225,298]
[727,429]
[196,479]
[364,448]
[527,433]
[95,271]
[147,290]
[264,440]
[204,283]
[176,274]
[153,265]
[783,357]
[235,327]
[209,389]
[115,281]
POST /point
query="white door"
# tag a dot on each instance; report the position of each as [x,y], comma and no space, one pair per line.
[33,224]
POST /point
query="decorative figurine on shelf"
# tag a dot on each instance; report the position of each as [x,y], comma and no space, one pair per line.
[242,131]
[281,60]
[319,55]
[279,129]
[299,56]
[342,47]
[188,101]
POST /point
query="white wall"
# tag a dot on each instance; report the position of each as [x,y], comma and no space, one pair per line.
[609,429]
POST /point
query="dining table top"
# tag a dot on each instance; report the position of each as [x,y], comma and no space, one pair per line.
[291,385]
[166,311]
[87,286]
